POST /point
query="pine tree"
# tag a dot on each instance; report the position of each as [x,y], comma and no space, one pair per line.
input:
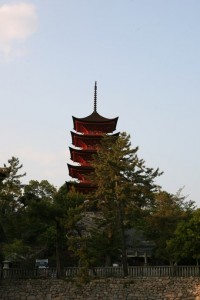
[125,187]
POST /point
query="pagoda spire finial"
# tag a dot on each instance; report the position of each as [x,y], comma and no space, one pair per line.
[95,97]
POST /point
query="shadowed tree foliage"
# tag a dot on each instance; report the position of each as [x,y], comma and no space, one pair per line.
[38,227]
[186,241]
[11,190]
[125,188]
[165,214]
[39,221]
[51,214]
[25,231]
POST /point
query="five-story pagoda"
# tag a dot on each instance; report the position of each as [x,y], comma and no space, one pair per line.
[86,137]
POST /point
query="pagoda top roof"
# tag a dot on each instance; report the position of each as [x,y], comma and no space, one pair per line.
[95,116]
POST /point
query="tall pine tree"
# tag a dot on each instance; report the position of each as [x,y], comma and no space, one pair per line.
[125,187]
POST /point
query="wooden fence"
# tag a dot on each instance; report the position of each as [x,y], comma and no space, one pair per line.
[102,272]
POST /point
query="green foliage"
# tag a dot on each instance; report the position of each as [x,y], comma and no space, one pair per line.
[16,250]
[161,221]
[36,191]
[39,221]
[186,240]
[125,187]
[121,175]
[11,188]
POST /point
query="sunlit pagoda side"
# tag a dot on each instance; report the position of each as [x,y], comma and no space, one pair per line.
[86,137]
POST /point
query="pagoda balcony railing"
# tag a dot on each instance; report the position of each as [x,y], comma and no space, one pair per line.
[82,163]
[85,181]
[89,147]
[90,131]
[93,133]
[85,164]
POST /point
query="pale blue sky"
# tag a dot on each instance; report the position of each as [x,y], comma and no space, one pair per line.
[144,55]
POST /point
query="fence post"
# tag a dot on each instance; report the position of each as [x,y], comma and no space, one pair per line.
[6,267]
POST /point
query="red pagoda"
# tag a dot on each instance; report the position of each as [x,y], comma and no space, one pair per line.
[86,137]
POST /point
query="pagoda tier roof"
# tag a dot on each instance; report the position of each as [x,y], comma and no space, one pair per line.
[84,139]
[81,140]
[84,188]
[95,117]
[79,172]
[87,136]
[95,122]
[77,154]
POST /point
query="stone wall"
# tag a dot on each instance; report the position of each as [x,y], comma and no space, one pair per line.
[102,289]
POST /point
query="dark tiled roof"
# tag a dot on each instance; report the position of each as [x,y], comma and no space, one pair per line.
[95,117]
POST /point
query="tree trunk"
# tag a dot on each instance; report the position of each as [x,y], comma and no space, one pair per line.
[120,213]
[107,261]
[58,264]
[123,243]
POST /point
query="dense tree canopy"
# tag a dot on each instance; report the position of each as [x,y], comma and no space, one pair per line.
[37,220]
[165,214]
[186,241]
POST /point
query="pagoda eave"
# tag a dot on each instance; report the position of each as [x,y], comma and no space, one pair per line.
[80,172]
[94,118]
[83,188]
[100,124]
[86,136]
[83,141]
[80,168]
[81,156]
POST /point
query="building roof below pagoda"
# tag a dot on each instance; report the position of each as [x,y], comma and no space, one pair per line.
[3,173]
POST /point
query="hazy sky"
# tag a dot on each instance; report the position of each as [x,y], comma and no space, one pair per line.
[144,54]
